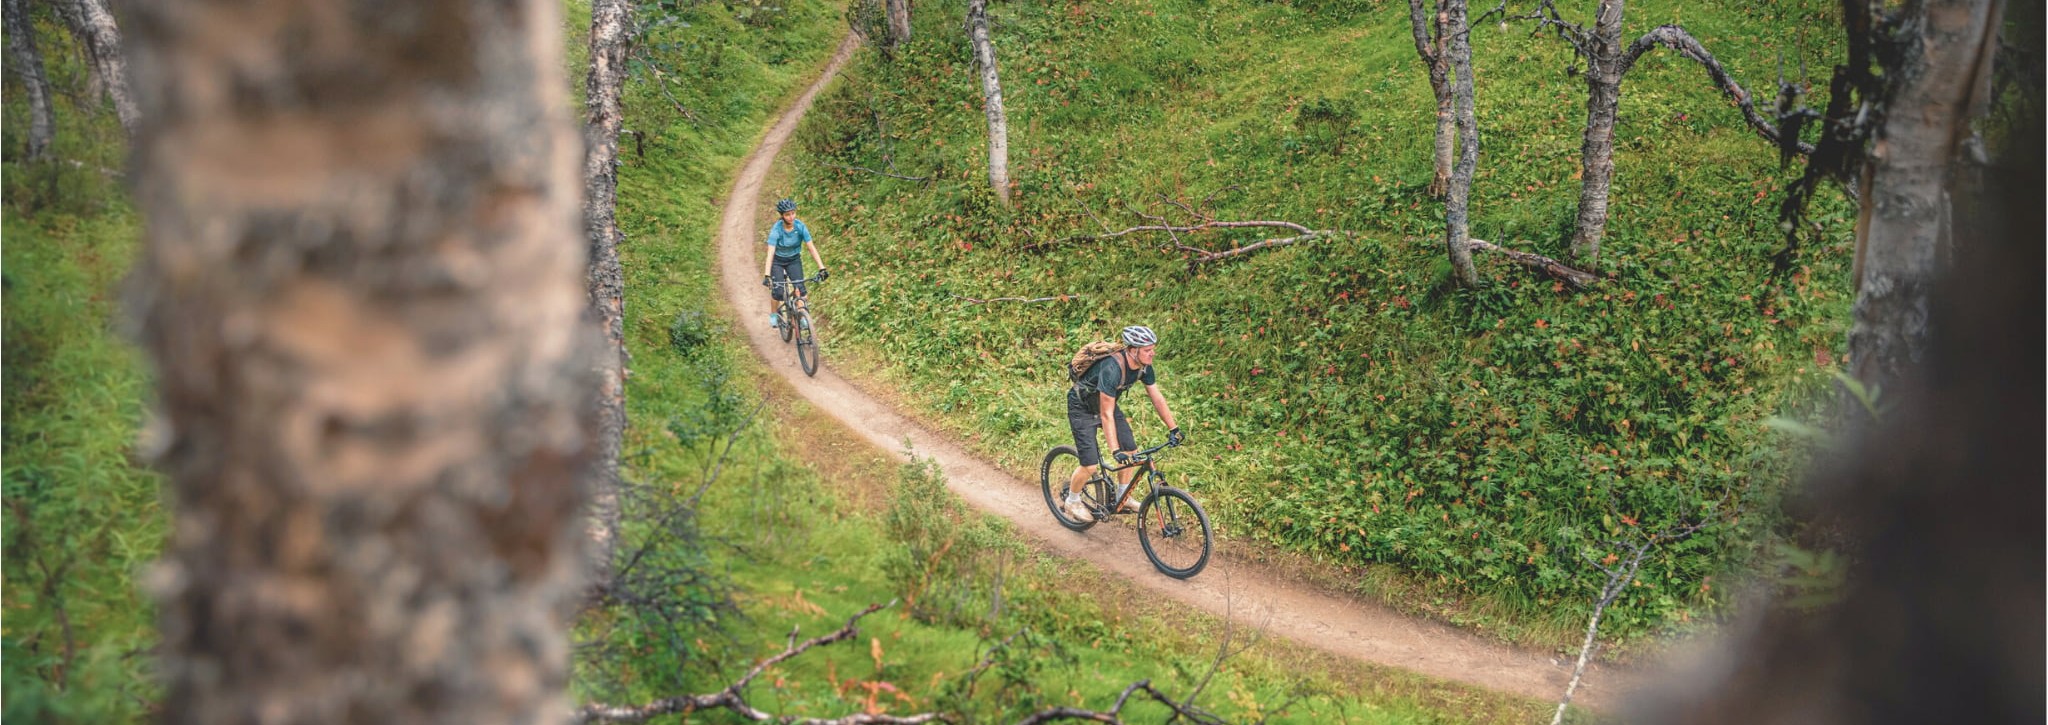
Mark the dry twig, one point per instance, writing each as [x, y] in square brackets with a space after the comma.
[1020, 300]
[731, 698]
[1577, 278]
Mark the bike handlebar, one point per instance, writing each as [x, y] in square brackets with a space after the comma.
[1146, 454]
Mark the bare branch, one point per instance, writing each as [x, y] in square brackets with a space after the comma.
[1578, 279]
[1112, 715]
[1211, 213]
[1675, 38]
[1546, 16]
[661, 80]
[1184, 207]
[1207, 257]
[1164, 226]
[731, 698]
[989, 660]
[1021, 300]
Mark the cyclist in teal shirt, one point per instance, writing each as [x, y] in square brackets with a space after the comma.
[789, 237]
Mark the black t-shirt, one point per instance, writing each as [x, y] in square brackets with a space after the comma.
[1108, 376]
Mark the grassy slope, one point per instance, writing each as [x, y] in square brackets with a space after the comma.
[809, 547]
[81, 519]
[1347, 405]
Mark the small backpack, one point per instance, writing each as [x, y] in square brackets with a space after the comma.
[1090, 354]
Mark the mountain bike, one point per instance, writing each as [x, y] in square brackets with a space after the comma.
[1171, 526]
[793, 315]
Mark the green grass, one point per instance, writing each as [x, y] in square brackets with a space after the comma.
[803, 536]
[83, 519]
[1343, 402]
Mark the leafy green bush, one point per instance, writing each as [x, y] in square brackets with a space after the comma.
[948, 562]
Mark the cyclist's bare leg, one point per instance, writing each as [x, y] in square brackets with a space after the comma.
[1080, 478]
[1124, 477]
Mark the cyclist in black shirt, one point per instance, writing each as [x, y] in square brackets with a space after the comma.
[1092, 404]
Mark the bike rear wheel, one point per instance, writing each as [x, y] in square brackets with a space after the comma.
[806, 343]
[1175, 532]
[782, 325]
[1055, 475]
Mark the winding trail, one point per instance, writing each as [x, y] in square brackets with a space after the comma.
[1336, 623]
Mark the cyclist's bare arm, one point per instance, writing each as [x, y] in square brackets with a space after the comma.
[1159, 404]
[814, 254]
[1107, 405]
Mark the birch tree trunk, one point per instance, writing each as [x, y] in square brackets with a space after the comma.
[1906, 203]
[360, 287]
[1459, 192]
[94, 27]
[610, 21]
[992, 101]
[897, 14]
[28, 63]
[1604, 61]
[1428, 29]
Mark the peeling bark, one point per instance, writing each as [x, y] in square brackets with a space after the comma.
[1459, 193]
[1905, 208]
[604, 113]
[28, 63]
[94, 27]
[1596, 152]
[1428, 28]
[992, 101]
[360, 289]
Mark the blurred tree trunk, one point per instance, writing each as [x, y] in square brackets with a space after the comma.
[1427, 26]
[93, 25]
[1940, 85]
[610, 23]
[992, 101]
[1459, 191]
[898, 17]
[360, 288]
[28, 63]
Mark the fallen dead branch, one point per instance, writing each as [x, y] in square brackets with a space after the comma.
[1019, 300]
[1114, 713]
[732, 697]
[661, 81]
[1578, 279]
[1205, 257]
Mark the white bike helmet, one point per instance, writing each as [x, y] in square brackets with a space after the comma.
[1140, 336]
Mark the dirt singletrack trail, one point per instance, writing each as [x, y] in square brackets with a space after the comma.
[1336, 623]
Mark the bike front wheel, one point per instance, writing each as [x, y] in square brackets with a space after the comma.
[806, 343]
[1055, 475]
[1175, 532]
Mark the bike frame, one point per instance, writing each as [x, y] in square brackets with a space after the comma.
[1149, 474]
[791, 298]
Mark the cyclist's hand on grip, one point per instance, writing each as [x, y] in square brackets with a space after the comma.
[1174, 437]
[823, 273]
[765, 281]
[1123, 458]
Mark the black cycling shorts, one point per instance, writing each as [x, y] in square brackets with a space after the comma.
[786, 268]
[1085, 425]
